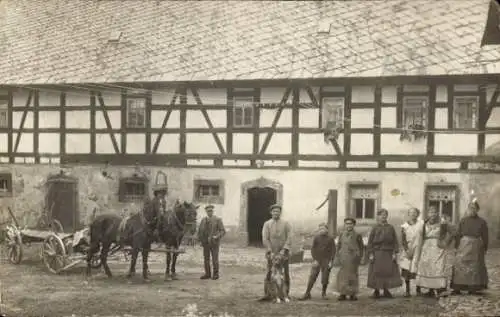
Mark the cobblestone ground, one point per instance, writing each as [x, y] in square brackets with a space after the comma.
[28, 290]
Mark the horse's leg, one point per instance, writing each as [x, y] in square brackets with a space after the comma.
[94, 248]
[133, 261]
[145, 270]
[167, 269]
[174, 261]
[104, 258]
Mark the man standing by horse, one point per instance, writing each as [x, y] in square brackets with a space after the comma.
[210, 232]
[276, 237]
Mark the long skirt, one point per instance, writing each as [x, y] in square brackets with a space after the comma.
[348, 274]
[469, 271]
[383, 272]
[431, 272]
[408, 266]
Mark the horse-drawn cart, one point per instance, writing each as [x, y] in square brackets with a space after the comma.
[60, 251]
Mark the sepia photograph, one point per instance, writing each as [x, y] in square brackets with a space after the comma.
[230, 158]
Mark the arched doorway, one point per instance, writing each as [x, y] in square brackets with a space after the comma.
[259, 201]
[256, 198]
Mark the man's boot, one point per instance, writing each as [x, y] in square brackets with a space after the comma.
[323, 291]
[307, 294]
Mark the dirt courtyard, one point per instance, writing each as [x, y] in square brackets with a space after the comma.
[29, 290]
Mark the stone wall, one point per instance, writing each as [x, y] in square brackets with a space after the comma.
[303, 191]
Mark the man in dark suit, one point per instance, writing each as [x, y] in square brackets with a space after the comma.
[210, 232]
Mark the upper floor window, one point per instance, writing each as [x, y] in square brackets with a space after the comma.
[363, 201]
[243, 112]
[133, 189]
[209, 191]
[465, 111]
[5, 184]
[136, 112]
[332, 112]
[444, 198]
[414, 112]
[3, 115]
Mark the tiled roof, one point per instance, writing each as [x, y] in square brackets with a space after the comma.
[66, 41]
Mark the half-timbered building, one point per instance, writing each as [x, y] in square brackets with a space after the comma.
[362, 104]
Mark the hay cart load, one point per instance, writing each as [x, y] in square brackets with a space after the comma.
[60, 251]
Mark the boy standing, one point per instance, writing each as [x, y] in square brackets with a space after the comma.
[323, 253]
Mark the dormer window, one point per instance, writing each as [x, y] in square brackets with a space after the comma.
[491, 35]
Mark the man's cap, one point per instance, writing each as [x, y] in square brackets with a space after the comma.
[323, 224]
[209, 207]
[275, 206]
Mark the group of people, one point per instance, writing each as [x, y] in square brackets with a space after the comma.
[424, 257]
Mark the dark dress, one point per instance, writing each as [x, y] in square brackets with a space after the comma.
[469, 272]
[383, 271]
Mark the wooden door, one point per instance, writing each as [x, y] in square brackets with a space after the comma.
[62, 198]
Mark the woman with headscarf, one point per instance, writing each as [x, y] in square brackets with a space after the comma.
[382, 250]
[410, 231]
[431, 254]
[469, 272]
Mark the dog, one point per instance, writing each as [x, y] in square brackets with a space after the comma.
[276, 285]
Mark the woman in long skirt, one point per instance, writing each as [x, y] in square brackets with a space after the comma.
[383, 249]
[350, 251]
[410, 232]
[469, 272]
[431, 255]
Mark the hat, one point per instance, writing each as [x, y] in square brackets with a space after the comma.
[475, 203]
[323, 224]
[275, 206]
[209, 207]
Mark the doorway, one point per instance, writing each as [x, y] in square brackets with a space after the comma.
[259, 201]
[62, 201]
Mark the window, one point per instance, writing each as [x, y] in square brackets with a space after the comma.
[332, 112]
[243, 112]
[414, 112]
[444, 198]
[208, 191]
[133, 189]
[5, 184]
[465, 112]
[363, 201]
[3, 115]
[136, 113]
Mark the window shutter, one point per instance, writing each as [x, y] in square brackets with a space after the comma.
[122, 190]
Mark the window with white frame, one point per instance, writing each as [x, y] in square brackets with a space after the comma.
[136, 112]
[243, 112]
[332, 112]
[415, 111]
[465, 111]
[444, 198]
[3, 115]
[363, 200]
[208, 191]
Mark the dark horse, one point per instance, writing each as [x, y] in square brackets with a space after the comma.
[172, 225]
[137, 231]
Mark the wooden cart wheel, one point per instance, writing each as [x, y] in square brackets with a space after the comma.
[56, 226]
[54, 253]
